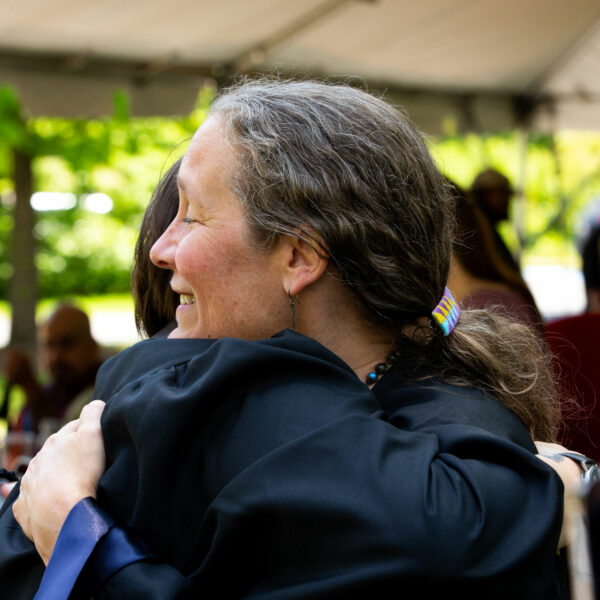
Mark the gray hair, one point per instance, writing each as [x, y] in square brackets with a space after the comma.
[352, 175]
[349, 173]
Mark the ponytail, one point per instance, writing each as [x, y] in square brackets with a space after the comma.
[493, 353]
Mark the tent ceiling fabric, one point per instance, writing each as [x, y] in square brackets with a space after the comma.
[477, 63]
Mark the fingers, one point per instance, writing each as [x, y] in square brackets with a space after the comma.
[16, 508]
[89, 420]
[70, 427]
[92, 412]
[20, 517]
[64, 471]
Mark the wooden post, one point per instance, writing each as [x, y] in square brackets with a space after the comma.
[23, 288]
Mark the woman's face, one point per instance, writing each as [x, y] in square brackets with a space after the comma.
[227, 286]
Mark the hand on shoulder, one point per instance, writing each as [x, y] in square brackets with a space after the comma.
[65, 471]
[570, 473]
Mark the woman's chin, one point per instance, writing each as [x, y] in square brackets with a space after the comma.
[186, 318]
[181, 333]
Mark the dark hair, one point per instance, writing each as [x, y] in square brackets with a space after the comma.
[490, 179]
[591, 259]
[349, 173]
[155, 302]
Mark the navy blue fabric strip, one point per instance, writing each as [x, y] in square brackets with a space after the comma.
[80, 533]
[88, 539]
[117, 549]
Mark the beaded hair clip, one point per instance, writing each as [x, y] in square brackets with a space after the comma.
[446, 313]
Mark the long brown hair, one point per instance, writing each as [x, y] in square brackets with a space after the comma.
[154, 301]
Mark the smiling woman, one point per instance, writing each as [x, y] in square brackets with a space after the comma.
[210, 250]
[241, 446]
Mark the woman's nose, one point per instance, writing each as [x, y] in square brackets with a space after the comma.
[162, 253]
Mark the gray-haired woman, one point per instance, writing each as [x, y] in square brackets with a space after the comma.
[255, 461]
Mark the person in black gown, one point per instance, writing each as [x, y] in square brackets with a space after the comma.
[248, 455]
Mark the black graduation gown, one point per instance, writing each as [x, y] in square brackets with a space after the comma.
[267, 470]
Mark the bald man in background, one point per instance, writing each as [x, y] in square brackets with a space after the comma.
[72, 358]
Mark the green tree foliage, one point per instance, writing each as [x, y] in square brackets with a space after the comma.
[562, 178]
[81, 252]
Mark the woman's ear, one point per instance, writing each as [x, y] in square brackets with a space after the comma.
[303, 264]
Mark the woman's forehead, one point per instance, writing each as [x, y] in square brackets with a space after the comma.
[208, 155]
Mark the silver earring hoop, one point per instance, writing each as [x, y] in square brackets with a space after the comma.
[293, 308]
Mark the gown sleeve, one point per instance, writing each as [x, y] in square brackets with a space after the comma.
[21, 568]
[479, 517]
[89, 549]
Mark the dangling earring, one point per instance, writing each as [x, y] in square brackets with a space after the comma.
[293, 308]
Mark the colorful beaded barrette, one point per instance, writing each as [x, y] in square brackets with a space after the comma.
[446, 313]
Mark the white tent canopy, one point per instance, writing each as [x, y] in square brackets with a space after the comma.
[484, 64]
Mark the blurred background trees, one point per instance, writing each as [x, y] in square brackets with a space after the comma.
[561, 181]
[104, 171]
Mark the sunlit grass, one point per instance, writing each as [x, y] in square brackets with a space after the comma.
[111, 316]
[89, 304]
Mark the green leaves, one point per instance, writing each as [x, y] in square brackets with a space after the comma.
[13, 133]
[121, 108]
[80, 252]
[562, 176]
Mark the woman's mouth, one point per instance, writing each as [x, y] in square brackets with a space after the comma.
[187, 299]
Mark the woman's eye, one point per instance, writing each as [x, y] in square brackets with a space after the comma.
[187, 220]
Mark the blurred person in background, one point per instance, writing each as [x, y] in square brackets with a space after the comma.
[574, 342]
[492, 192]
[72, 358]
[591, 270]
[480, 274]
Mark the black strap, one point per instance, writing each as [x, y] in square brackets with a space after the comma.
[8, 475]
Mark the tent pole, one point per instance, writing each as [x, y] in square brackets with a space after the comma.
[519, 203]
